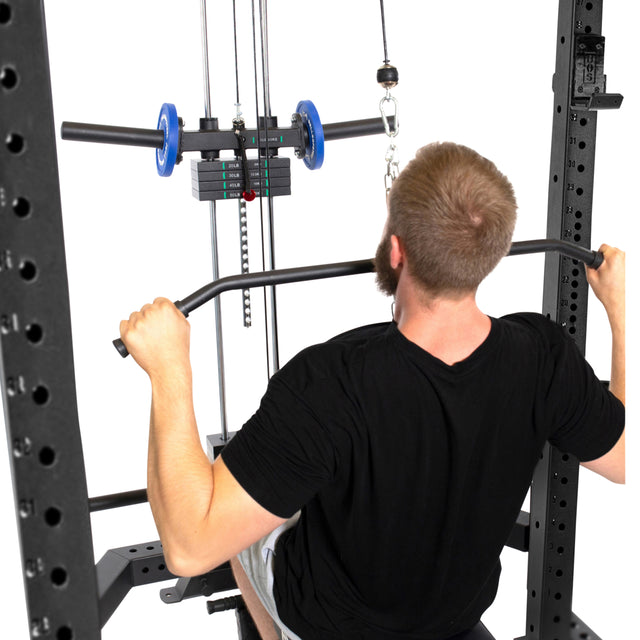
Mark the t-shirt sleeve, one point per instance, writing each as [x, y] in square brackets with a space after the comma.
[587, 419]
[284, 454]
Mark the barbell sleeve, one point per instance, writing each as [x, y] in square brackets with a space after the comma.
[591, 258]
[355, 128]
[106, 134]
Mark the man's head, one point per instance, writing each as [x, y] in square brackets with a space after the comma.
[453, 213]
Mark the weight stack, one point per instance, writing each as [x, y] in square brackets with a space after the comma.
[224, 179]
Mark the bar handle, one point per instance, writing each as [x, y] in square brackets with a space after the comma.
[591, 258]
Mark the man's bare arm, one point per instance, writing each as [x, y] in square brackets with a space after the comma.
[608, 284]
[203, 516]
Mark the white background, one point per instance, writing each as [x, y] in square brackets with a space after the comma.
[475, 73]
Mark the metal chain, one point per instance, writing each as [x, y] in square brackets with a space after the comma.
[389, 109]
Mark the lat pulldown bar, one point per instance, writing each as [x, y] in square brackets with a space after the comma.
[300, 274]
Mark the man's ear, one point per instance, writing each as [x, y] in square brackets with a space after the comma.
[396, 257]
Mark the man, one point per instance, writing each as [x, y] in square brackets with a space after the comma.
[406, 447]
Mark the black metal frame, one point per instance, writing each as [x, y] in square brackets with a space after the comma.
[35, 342]
[579, 89]
[67, 595]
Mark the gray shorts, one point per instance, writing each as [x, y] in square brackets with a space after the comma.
[257, 562]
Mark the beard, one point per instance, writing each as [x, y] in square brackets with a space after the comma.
[386, 277]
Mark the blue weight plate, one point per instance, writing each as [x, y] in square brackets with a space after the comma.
[314, 152]
[168, 123]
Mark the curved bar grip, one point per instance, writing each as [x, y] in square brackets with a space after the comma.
[262, 279]
[592, 259]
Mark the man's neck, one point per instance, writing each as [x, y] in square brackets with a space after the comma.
[449, 328]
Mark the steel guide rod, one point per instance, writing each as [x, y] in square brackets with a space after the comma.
[222, 395]
[268, 229]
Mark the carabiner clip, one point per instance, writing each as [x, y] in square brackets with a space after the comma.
[391, 132]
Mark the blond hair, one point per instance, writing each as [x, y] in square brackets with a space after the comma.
[455, 213]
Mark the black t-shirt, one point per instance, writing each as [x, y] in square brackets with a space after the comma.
[410, 473]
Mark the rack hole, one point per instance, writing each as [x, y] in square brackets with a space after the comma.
[555, 178]
[5, 13]
[583, 122]
[587, 29]
[34, 333]
[588, 6]
[582, 144]
[145, 569]
[559, 573]
[47, 456]
[133, 550]
[64, 633]
[21, 207]
[8, 78]
[580, 168]
[53, 516]
[15, 143]
[577, 237]
[161, 567]
[559, 109]
[579, 191]
[59, 576]
[577, 226]
[560, 551]
[558, 596]
[28, 270]
[40, 395]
